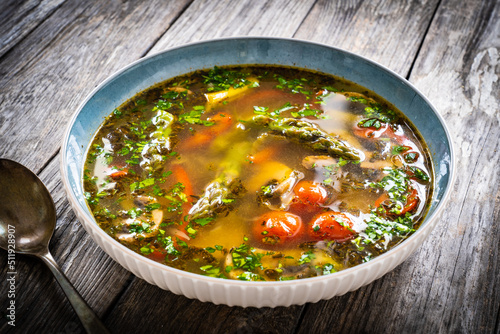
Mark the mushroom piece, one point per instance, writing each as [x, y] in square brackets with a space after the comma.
[153, 220]
[314, 161]
[278, 195]
[178, 90]
[327, 167]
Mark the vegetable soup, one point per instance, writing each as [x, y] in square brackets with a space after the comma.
[258, 173]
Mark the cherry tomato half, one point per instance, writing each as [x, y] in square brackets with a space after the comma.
[309, 192]
[331, 225]
[277, 227]
[309, 197]
[385, 131]
[411, 202]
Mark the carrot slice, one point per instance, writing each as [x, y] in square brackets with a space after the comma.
[205, 135]
[118, 174]
[180, 174]
[263, 155]
[381, 199]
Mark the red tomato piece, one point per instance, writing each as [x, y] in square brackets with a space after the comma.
[309, 192]
[411, 202]
[331, 225]
[156, 256]
[277, 228]
[385, 131]
[309, 198]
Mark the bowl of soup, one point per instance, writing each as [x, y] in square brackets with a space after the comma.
[257, 171]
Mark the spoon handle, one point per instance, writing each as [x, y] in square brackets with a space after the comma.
[89, 319]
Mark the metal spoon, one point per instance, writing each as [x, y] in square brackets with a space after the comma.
[28, 216]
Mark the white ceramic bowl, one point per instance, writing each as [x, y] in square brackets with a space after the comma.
[253, 50]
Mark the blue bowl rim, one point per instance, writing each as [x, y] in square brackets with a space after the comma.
[424, 226]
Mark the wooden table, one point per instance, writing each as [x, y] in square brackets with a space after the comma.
[54, 52]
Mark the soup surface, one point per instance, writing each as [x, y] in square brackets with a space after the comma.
[258, 173]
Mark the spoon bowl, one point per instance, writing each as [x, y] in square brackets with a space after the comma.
[28, 216]
[25, 205]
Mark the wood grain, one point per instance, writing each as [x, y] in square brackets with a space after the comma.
[451, 284]
[62, 60]
[53, 52]
[46, 76]
[19, 18]
[206, 19]
[467, 94]
[251, 320]
[177, 314]
[388, 32]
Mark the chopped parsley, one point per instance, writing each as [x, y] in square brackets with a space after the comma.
[194, 117]
[397, 184]
[142, 184]
[265, 110]
[141, 227]
[308, 112]
[370, 123]
[295, 85]
[379, 228]
[306, 257]
[146, 250]
[417, 173]
[399, 149]
[250, 276]
[411, 157]
[152, 206]
[167, 243]
[212, 271]
[326, 269]
[218, 79]
[244, 257]
[203, 221]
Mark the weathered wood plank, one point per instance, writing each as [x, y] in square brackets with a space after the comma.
[205, 20]
[47, 74]
[43, 78]
[464, 85]
[19, 18]
[197, 22]
[391, 35]
[177, 314]
[451, 285]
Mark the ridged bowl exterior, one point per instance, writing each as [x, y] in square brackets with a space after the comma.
[254, 50]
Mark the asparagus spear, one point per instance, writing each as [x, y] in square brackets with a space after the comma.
[309, 135]
[160, 142]
[221, 192]
[163, 122]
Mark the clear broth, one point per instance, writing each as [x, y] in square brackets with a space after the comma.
[240, 140]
